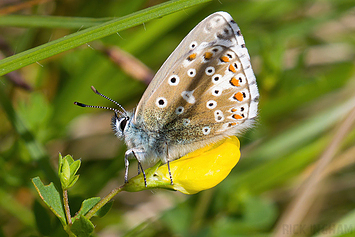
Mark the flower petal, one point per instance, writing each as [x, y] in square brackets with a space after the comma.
[203, 168]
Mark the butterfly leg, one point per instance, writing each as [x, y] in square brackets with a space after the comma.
[168, 163]
[140, 168]
[126, 164]
[171, 177]
[135, 153]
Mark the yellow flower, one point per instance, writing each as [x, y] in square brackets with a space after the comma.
[194, 172]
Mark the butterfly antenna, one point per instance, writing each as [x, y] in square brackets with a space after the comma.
[97, 107]
[108, 98]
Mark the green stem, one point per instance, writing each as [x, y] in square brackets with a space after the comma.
[81, 37]
[66, 206]
[103, 201]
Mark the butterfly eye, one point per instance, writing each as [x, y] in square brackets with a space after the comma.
[123, 123]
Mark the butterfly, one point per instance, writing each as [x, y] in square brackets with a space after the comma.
[205, 91]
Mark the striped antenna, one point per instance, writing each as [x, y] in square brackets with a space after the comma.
[108, 98]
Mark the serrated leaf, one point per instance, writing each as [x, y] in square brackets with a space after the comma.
[51, 198]
[86, 206]
[82, 227]
[103, 210]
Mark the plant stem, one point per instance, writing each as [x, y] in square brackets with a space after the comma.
[103, 201]
[66, 206]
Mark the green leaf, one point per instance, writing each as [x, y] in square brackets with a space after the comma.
[73, 181]
[67, 170]
[86, 206]
[69, 159]
[65, 174]
[103, 210]
[51, 198]
[60, 163]
[74, 166]
[82, 227]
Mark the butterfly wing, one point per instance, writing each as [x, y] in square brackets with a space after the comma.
[185, 48]
[205, 90]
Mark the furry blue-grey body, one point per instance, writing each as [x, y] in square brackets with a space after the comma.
[165, 143]
[146, 144]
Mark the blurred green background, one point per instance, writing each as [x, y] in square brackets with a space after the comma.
[302, 53]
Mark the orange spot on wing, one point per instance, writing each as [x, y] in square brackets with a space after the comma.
[192, 57]
[234, 110]
[232, 124]
[208, 55]
[238, 96]
[234, 82]
[232, 68]
[224, 59]
[237, 116]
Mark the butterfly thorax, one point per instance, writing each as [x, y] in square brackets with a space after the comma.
[149, 145]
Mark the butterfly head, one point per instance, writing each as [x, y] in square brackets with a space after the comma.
[120, 123]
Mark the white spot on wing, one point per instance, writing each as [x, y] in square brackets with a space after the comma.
[187, 95]
[218, 115]
[179, 110]
[241, 78]
[174, 80]
[161, 102]
[193, 45]
[186, 121]
[211, 104]
[216, 91]
[206, 130]
[209, 71]
[191, 72]
[216, 78]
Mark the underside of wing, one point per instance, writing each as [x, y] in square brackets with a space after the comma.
[205, 89]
